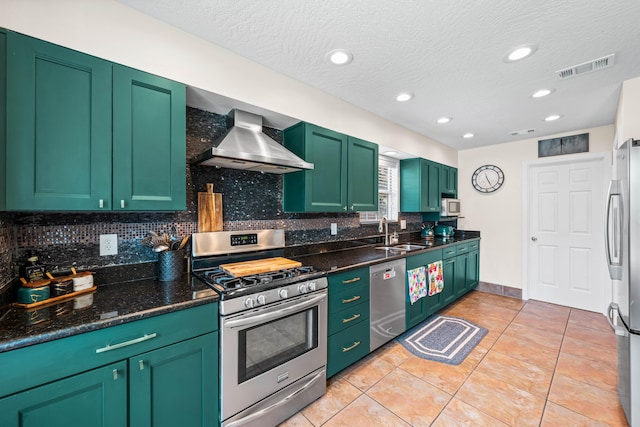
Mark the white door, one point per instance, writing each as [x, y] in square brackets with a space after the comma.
[566, 261]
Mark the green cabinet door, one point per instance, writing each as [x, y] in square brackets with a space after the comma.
[3, 115]
[97, 398]
[449, 275]
[58, 151]
[419, 186]
[362, 175]
[473, 270]
[149, 142]
[420, 309]
[449, 181]
[176, 385]
[460, 281]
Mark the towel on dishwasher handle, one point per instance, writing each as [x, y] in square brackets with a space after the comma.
[436, 282]
[417, 278]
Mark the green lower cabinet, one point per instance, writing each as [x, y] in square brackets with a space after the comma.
[175, 385]
[347, 347]
[460, 281]
[97, 398]
[448, 294]
[420, 309]
[473, 270]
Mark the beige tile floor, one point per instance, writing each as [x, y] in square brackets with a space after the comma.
[539, 365]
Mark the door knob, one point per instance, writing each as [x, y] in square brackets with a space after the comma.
[534, 239]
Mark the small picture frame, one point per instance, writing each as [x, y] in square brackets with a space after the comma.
[565, 145]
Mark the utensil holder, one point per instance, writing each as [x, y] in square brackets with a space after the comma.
[170, 265]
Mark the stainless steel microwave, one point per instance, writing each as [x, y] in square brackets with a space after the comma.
[450, 207]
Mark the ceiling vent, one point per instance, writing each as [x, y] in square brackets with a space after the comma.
[587, 67]
[522, 132]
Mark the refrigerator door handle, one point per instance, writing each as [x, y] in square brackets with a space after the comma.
[612, 311]
[613, 230]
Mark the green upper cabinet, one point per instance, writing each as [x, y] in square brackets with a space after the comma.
[345, 174]
[420, 185]
[449, 181]
[86, 134]
[58, 146]
[149, 150]
[362, 175]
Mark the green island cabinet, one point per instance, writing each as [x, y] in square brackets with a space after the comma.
[449, 181]
[345, 174]
[348, 324]
[419, 310]
[160, 371]
[83, 133]
[420, 189]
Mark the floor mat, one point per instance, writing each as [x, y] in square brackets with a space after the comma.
[443, 339]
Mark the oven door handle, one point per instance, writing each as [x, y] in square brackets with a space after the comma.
[252, 319]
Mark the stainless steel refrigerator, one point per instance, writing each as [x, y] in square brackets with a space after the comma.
[623, 257]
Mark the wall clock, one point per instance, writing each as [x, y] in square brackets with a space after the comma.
[487, 178]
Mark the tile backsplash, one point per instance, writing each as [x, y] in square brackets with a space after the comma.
[251, 200]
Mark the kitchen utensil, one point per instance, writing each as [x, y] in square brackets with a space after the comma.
[209, 210]
[161, 247]
[184, 242]
[246, 268]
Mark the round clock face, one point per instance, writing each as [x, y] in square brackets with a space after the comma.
[487, 178]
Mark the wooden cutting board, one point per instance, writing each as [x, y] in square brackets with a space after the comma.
[209, 210]
[247, 268]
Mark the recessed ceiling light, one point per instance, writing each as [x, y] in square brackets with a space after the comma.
[468, 135]
[443, 120]
[404, 96]
[520, 52]
[390, 152]
[339, 56]
[540, 93]
[552, 118]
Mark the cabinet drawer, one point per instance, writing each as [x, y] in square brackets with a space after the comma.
[342, 299]
[349, 317]
[474, 245]
[347, 347]
[449, 251]
[462, 248]
[423, 259]
[349, 279]
[67, 356]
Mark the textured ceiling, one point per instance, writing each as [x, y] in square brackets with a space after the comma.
[448, 53]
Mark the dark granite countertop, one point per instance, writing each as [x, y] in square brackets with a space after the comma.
[347, 258]
[110, 305]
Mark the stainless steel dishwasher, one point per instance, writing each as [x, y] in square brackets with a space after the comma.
[387, 301]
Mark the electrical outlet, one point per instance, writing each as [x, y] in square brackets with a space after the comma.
[403, 224]
[334, 228]
[108, 244]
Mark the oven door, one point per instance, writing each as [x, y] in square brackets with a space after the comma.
[266, 349]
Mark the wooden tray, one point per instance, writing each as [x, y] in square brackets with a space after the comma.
[54, 300]
[247, 268]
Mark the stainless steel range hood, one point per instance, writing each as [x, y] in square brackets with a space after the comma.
[245, 146]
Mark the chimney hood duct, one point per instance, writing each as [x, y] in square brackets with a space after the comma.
[245, 146]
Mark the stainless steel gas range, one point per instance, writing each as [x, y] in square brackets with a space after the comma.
[273, 328]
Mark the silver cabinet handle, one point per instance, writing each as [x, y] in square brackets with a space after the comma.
[355, 344]
[141, 364]
[122, 204]
[115, 374]
[346, 282]
[101, 203]
[352, 299]
[344, 208]
[352, 318]
[353, 207]
[534, 239]
[106, 348]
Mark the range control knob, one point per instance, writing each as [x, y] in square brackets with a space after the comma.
[312, 286]
[262, 300]
[283, 293]
[303, 288]
[249, 303]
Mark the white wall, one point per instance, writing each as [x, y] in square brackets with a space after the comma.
[628, 117]
[499, 215]
[110, 30]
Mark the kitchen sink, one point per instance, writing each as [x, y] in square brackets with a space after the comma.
[407, 247]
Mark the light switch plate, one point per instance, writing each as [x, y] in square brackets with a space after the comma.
[108, 244]
[403, 224]
[334, 228]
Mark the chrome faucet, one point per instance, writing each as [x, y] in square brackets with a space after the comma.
[386, 229]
